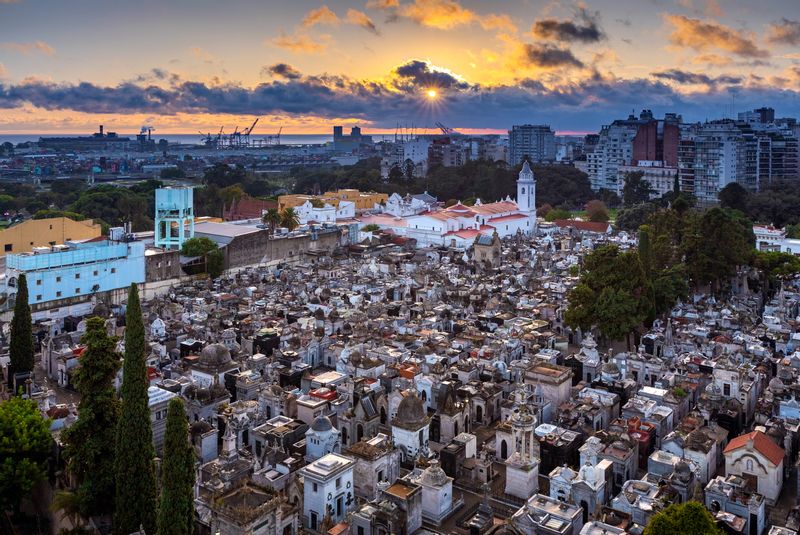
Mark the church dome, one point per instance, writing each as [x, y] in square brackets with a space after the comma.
[321, 424]
[411, 412]
[215, 355]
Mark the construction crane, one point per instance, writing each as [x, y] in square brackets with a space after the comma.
[249, 131]
[276, 139]
[446, 130]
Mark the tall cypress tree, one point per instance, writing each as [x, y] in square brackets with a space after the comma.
[21, 347]
[90, 441]
[135, 504]
[176, 511]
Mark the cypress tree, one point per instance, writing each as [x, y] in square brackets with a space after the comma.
[135, 504]
[21, 347]
[176, 510]
[90, 441]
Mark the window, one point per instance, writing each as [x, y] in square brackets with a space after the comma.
[39, 297]
[58, 279]
[315, 487]
[38, 282]
[95, 273]
[726, 389]
[58, 294]
[338, 482]
[77, 275]
[77, 290]
[9, 246]
[113, 270]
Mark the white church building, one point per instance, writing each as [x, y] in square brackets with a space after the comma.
[459, 225]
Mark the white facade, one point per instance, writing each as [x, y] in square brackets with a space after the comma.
[755, 456]
[328, 213]
[614, 149]
[327, 490]
[774, 239]
[459, 225]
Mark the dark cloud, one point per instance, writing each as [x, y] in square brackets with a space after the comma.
[583, 104]
[549, 57]
[584, 28]
[282, 70]
[420, 73]
[686, 77]
[784, 32]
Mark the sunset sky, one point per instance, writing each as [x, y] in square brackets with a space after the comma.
[188, 65]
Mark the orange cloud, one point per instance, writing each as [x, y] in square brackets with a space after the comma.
[321, 15]
[785, 32]
[383, 4]
[2, 70]
[359, 18]
[712, 59]
[441, 14]
[498, 22]
[701, 36]
[300, 43]
[29, 48]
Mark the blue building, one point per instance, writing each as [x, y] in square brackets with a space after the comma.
[75, 271]
[174, 217]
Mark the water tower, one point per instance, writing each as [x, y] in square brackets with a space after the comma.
[174, 217]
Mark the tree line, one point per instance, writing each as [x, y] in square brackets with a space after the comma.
[680, 250]
[109, 449]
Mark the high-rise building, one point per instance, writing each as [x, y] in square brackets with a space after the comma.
[657, 141]
[614, 149]
[754, 151]
[534, 142]
[713, 157]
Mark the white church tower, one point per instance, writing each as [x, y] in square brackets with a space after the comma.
[526, 193]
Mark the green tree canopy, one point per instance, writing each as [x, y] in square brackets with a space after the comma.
[635, 189]
[557, 213]
[690, 518]
[135, 502]
[208, 249]
[90, 441]
[717, 242]
[176, 511]
[631, 218]
[289, 219]
[21, 350]
[733, 196]
[613, 294]
[25, 445]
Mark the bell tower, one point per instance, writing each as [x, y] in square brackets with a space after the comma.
[526, 189]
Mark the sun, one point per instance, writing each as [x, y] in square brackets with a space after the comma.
[432, 93]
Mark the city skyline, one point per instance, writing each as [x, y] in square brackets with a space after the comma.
[476, 66]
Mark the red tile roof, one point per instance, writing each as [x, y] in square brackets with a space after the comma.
[507, 218]
[500, 207]
[761, 443]
[589, 226]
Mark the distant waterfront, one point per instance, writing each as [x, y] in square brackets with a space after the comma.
[286, 139]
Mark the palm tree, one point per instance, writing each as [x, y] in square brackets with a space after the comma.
[289, 219]
[272, 217]
[69, 503]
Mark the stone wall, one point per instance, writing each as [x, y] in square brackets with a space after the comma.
[258, 248]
